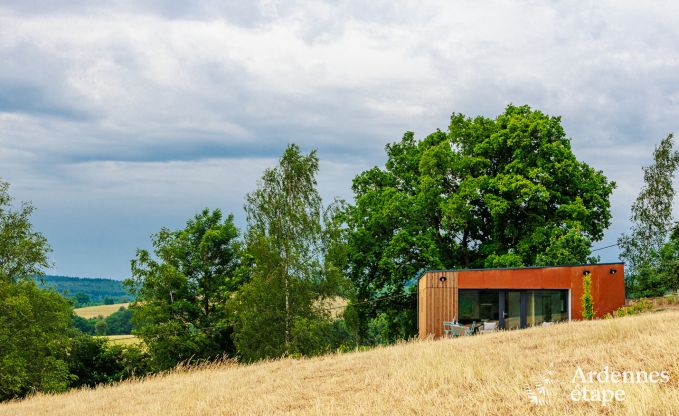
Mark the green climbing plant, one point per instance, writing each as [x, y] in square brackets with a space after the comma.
[587, 302]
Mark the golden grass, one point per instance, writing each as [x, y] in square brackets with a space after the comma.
[99, 310]
[123, 339]
[483, 375]
[335, 306]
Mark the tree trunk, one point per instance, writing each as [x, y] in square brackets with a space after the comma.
[287, 310]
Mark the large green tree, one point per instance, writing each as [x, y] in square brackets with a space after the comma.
[651, 224]
[280, 311]
[667, 277]
[23, 251]
[182, 290]
[35, 329]
[35, 324]
[488, 192]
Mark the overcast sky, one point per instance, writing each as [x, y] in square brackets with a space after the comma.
[117, 120]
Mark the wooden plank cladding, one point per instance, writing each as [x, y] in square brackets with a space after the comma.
[437, 301]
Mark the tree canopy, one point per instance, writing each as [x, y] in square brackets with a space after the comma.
[290, 249]
[488, 192]
[35, 324]
[647, 262]
[23, 251]
[182, 289]
[35, 330]
[667, 276]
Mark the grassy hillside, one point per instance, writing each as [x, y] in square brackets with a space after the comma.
[99, 310]
[123, 339]
[486, 374]
[97, 289]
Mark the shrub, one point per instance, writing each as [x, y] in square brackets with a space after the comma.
[101, 327]
[120, 322]
[639, 306]
[93, 361]
[84, 325]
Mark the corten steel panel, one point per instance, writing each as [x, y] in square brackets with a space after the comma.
[608, 290]
[438, 304]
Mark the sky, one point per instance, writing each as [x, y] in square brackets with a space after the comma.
[118, 118]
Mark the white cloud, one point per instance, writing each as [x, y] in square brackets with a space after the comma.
[139, 105]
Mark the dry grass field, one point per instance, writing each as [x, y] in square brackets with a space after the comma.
[481, 375]
[99, 310]
[123, 339]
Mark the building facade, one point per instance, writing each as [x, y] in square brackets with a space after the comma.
[515, 297]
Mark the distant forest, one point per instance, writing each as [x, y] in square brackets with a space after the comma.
[98, 291]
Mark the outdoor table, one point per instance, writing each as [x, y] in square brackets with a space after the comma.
[475, 327]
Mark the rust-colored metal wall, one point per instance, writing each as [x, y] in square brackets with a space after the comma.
[436, 304]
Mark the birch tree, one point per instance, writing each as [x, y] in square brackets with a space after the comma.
[278, 312]
[651, 218]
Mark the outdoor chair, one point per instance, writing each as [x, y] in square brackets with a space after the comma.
[448, 328]
[454, 329]
[489, 327]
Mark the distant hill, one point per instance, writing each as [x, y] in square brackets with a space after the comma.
[98, 290]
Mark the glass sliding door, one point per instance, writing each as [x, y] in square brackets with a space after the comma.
[478, 305]
[512, 308]
[547, 306]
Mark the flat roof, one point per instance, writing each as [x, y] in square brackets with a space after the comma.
[517, 268]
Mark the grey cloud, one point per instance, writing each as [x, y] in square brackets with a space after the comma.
[246, 13]
[142, 112]
[31, 99]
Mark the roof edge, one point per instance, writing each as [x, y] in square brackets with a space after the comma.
[517, 268]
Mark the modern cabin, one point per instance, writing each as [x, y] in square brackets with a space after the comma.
[514, 297]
